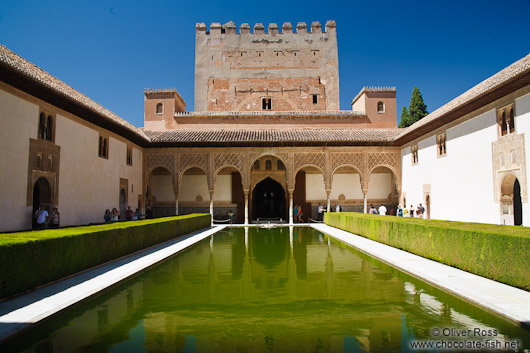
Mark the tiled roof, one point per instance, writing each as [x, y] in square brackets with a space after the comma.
[270, 137]
[516, 69]
[36, 74]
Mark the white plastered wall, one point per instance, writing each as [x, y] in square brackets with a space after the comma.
[461, 183]
[315, 188]
[379, 186]
[89, 184]
[19, 123]
[223, 188]
[193, 185]
[347, 184]
[162, 188]
[522, 125]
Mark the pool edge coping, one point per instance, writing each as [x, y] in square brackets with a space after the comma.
[35, 306]
[506, 301]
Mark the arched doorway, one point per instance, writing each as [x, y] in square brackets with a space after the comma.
[42, 195]
[123, 203]
[268, 200]
[517, 204]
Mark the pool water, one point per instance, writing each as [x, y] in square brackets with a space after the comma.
[285, 289]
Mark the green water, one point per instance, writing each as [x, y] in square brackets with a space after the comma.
[278, 290]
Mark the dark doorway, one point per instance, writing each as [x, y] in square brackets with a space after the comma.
[517, 204]
[42, 195]
[268, 200]
[123, 204]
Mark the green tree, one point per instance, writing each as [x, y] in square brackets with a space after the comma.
[417, 108]
[405, 118]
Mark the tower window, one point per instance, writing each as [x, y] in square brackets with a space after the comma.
[159, 108]
[380, 107]
[266, 103]
[315, 98]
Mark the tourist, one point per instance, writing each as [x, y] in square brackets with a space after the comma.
[337, 208]
[295, 214]
[382, 210]
[135, 215]
[421, 209]
[300, 214]
[418, 211]
[139, 214]
[115, 215]
[411, 211]
[41, 215]
[54, 220]
[372, 210]
[108, 216]
[149, 213]
[129, 214]
[400, 211]
[231, 217]
[320, 212]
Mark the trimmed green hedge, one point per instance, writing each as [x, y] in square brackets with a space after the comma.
[30, 259]
[501, 253]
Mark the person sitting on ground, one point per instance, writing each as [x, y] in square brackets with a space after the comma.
[54, 218]
[382, 210]
[129, 214]
[41, 215]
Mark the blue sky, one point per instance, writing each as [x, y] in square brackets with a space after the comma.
[112, 50]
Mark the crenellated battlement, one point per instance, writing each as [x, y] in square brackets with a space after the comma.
[230, 28]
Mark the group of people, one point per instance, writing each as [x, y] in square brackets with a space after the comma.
[297, 214]
[401, 212]
[404, 212]
[130, 215]
[45, 220]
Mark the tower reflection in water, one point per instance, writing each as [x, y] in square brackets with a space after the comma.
[262, 290]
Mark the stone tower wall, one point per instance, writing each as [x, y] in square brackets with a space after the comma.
[234, 70]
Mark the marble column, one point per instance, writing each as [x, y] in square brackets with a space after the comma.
[291, 206]
[246, 206]
[211, 204]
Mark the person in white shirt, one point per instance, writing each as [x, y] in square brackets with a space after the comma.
[41, 215]
[337, 209]
[382, 210]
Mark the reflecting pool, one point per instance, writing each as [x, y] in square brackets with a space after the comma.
[269, 290]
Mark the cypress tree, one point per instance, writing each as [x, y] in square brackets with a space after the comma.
[417, 108]
[405, 118]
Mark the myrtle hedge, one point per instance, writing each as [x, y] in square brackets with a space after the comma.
[501, 253]
[30, 259]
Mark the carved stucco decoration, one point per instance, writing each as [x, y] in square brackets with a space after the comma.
[155, 160]
[339, 159]
[44, 161]
[508, 154]
[199, 160]
[222, 160]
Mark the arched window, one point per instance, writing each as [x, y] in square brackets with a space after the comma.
[504, 129]
[268, 164]
[48, 135]
[42, 125]
[279, 165]
[257, 165]
[511, 122]
[380, 107]
[159, 108]
[103, 150]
